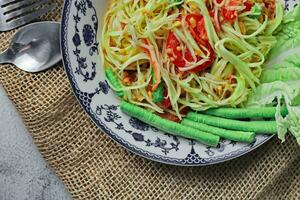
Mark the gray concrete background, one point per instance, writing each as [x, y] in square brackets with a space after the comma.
[24, 174]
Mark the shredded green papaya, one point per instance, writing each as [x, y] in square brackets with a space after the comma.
[173, 54]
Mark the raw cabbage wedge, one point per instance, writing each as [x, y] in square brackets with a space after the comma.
[280, 81]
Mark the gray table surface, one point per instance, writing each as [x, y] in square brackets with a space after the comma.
[24, 174]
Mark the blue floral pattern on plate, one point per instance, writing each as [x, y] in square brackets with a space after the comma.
[79, 31]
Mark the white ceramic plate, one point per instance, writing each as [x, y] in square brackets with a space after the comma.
[81, 24]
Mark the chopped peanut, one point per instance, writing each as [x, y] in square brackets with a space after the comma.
[219, 90]
[177, 24]
[198, 53]
[150, 94]
[144, 11]
[126, 80]
[137, 96]
[122, 51]
[261, 19]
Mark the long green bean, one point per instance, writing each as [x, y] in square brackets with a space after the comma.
[242, 113]
[169, 126]
[239, 136]
[114, 81]
[251, 126]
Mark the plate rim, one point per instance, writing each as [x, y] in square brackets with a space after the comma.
[150, 156]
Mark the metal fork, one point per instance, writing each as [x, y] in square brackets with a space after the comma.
[14, 13]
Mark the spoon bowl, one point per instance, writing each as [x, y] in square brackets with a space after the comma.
[35, 47]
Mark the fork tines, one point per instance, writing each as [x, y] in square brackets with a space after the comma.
[14, 13]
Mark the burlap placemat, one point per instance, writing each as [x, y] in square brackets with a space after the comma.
[92, 166]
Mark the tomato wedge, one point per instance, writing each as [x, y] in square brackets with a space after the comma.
[197, 29]
[208, 63]
[172, 117]
[197, 25]
[166, 103]
[248, 6]
[175, 53]
[229, 15]
[169, 117]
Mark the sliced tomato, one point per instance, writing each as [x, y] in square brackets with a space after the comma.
[208, 63]
[169, 116]
[184, 111]
[166, 103]
[197, 28]
[172, 44]
[229, 15]
[172, 117]
[197, 25]
[248, 6]
[177, 56]
[235, 3]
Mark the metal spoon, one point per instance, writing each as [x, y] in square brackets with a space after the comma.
[35, 47]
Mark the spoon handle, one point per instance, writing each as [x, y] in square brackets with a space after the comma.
[5, 56]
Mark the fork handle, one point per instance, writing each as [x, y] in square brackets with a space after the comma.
[6, 56]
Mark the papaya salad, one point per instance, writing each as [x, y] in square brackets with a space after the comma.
[189, 67]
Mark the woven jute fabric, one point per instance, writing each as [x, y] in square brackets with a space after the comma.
[92, 166]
